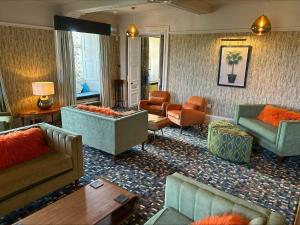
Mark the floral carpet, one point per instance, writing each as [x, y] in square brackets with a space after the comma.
[263, 181]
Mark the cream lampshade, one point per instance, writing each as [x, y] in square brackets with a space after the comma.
[43, 89]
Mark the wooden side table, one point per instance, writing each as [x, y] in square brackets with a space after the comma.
[33, 114]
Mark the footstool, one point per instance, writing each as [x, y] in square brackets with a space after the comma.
[229, 142]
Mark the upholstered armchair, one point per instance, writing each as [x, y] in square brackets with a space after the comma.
[190, 113]
[157, 102]
[5, 121]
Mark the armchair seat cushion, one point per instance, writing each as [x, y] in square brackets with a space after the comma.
[24, 175]
[266, 131]
[157, 109]
[169, 216]
[174, 113]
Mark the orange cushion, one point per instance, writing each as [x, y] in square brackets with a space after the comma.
[273, 115]
[189, 106]
[157, 100]
[99, 110]
[227, 219]
[20, 146]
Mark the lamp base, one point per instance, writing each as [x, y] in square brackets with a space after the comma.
[44, 102]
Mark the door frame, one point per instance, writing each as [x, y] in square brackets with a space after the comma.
[160, 30]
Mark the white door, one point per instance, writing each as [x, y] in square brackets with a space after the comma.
[134, 71]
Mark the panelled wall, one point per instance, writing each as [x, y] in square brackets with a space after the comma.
[28, 55]
[273, 74]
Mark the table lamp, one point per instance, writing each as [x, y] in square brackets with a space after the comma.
[43, 89]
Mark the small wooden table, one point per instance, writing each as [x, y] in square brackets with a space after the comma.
[33, 114]
[86, 206]
[156, 123]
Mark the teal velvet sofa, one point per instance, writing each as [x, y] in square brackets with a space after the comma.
[283, 141]
[187, 200]
[5, 121]
[111, 135]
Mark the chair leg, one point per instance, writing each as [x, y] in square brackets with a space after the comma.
[181, 130]
[143, 146]
[280, 159]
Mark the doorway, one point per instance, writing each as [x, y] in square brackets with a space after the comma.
[151, 64]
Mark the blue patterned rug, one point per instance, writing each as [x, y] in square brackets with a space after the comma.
[263, 182]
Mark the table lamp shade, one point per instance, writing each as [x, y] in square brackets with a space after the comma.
[43, 88]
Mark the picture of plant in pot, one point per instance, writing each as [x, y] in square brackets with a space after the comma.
[233, 58]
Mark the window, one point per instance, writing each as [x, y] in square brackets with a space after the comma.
[87, 64]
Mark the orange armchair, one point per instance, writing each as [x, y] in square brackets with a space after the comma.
[157, 102]
[190, 113]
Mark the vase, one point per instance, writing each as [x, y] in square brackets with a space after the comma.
[231, 78]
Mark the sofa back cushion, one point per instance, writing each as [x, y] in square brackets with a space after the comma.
[274, 115]
[162, 94]
[21, 146]
[100, 110]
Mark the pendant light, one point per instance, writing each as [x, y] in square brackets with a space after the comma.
[132, 30]
[262, 24]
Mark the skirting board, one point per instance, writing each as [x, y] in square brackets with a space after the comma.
[210, 118]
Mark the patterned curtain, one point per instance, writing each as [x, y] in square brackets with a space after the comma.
[106, 84]
[4, 106]
[65, 68]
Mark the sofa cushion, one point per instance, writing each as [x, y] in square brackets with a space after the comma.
[24, 175]
[13, 151]
[225, 219]
[266, 131]
[169, 216]
[174, 113]
[100, 110]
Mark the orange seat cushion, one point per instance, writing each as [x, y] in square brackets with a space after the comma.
[227, 219]
[99, 110]
[174, 113]
[274, 115]
[21, 146]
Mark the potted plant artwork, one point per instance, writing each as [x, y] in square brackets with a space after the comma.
[233, 58]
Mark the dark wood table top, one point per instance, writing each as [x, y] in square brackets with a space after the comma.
[84, 206]
[38, 111]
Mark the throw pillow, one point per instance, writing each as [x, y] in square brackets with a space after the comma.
[85, 88]
[274, 115]
[226, 219]
[99, 110]
[21, 146]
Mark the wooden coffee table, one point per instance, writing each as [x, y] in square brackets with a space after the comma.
[156, 123]
[86, 206]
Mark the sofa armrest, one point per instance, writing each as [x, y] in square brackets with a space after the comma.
[164, 106]
[66, 142]
[143, 103]
[173, 107]
[249, 111]
[275, 219]
[288, 138]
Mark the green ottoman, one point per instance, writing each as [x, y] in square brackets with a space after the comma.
[229, 142]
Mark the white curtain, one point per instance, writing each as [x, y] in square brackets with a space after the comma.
[106, 85]
[4, 106]
[65, 68]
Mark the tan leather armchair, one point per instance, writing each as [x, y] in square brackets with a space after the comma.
[190, 113]
[157, 102]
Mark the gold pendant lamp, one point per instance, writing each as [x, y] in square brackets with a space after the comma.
[132, 30]
[261, 25]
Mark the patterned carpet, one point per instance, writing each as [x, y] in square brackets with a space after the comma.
[263, 182]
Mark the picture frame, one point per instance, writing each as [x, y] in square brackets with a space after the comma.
[233, 65]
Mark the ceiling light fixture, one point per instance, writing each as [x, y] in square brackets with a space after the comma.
[262, 24]
[132, 30]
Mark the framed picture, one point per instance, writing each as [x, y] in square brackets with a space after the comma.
[233, 65]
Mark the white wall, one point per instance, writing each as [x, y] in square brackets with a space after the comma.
[29, 13]
[232, 17]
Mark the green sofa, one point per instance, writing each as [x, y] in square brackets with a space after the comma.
[28, 181]
[5, 121]
[283, 141]
[111, 135]
[187, 200]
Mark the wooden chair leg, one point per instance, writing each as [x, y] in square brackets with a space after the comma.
[280, 159]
